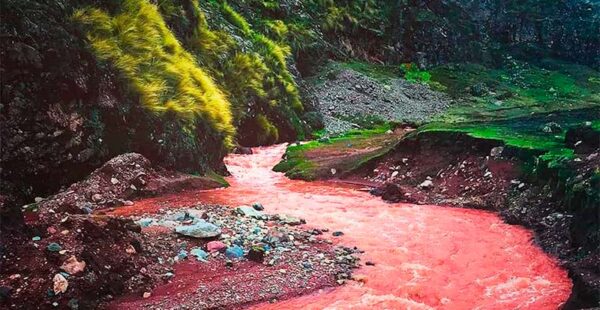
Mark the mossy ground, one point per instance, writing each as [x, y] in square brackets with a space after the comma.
[345, 153]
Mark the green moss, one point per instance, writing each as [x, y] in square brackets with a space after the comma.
[413, 74]
[315, 159]
[159, 70]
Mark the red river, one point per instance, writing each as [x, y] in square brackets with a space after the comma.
[427, 257]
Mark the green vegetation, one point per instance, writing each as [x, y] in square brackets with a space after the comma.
[413, 74]
[344, 153]
[164, 75]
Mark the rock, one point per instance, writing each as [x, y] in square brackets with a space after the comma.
[146, 295]
[478, 90]
[234, 252]
[391, 192]
[128, 202]
[60, 284]
[369, 263]
[130, 249]
[360, 278]
[36, 238]
[258, 206]
[552, 127]
[395, 174]
[496, 151]
[333, 171]
[183, 254]
[290, 220]
[145, 222]
[337, 233]
[201, 229]
[96, 198]
[216, 246]
[114, 181]
[427, 184]
[38, 199]
[200, 254]
[249, 211]
[256, 254]
[73, 266]
[54, 247]
[242, 150]
[488, 174]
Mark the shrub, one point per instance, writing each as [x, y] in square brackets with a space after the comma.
[164, 75]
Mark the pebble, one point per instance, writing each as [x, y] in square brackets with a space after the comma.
[60, 284]
[216, 246]
[54, 247]
[73, 266]
[36, 238]
[200, 254]
[258, 206]
[337, 233]
[146, 295]
[234, 252]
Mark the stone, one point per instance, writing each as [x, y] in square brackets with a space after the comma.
[552, 127]
[183, 254]
[256, 254]
[249, 211]
[200, 254]
[96, 197]
[114, 181]
[234, 252]
[337, 233]
[369, 263]
[73, 266]
[146, 295]
[130, 249]
[200, 229]
[216, 246]
[258, 206]
[54, 247]
[426, 184]
[38, 199]
[360, 278]
[60, 284]
[36, 238]
[290, 220]
[145, 222]
[496, 151]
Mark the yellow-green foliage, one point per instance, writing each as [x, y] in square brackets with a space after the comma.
[246, 73]
[277, 28]
[236, 19]
[274, 55]
[211, 45]
[268, 132]
[165, 76]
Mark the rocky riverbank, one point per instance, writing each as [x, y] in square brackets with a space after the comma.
[458, 171]
[70, 250]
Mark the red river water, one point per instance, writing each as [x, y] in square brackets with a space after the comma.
[427, 257]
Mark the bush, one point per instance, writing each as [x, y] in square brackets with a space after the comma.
[164, 75]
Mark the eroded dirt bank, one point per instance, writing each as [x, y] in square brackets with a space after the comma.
[455, 170]
[416, 256]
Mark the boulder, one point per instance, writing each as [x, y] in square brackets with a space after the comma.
[200, 229]
[249, 211]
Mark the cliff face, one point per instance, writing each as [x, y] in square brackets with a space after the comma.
[180, 81]
[440, 31]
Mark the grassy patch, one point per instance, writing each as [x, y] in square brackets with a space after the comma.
[344, 153]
